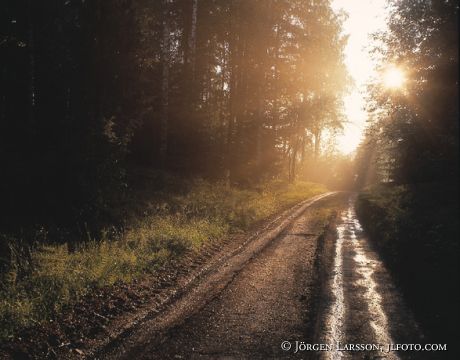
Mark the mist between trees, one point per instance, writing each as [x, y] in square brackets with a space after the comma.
[92, 92]
[101, 101]
[240, 91]
[111, 109]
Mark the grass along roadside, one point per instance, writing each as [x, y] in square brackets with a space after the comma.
[52, 278]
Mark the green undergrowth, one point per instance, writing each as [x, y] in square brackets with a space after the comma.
[41, 282]
[416, 229]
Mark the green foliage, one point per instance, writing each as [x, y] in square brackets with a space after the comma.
[413, 137]
[413, 142]
[416, 229]
[383, 207]
[37, 287]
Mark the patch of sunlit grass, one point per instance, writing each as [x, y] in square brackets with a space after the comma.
[52, 277]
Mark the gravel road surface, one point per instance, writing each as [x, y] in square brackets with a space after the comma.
[298, 284]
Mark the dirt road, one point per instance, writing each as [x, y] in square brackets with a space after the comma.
[283, 291]
[364, 307]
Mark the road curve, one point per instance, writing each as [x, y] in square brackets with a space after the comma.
[243, 306]
[285, 287]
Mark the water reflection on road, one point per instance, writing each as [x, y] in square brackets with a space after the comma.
[353, 281]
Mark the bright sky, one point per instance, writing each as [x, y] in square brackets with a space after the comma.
[364, 18]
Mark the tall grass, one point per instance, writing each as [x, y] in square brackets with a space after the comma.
[41, 282]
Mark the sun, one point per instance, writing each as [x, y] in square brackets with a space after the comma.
[394, 78]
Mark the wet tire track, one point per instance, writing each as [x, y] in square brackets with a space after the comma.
[245, 307]
[365, 306]
[294, 286]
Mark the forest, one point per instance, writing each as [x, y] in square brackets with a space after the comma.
[231, 90]
[132, 131]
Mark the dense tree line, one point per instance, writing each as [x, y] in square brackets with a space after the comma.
[235, 90]
[413, 133]
[411, 150]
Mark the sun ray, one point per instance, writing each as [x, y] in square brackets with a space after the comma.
[364, 18]
[394, 78]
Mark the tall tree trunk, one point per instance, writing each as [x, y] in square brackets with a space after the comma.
[192, 38]
[234, 69]
[3, 95]
[302, 148]
[294, 163]
[259, 127]
[242, 80]
[293, 157]
[276, 114]
[222, 106]
[31, 53]
[317, 139]
[262, 53]
[164, 86]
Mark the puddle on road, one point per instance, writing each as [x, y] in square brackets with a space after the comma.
[349, 233]
[336, 316]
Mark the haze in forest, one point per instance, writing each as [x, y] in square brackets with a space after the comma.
[134, 133]
[363, 19]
